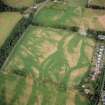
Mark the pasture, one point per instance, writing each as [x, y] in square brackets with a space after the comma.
[63, 15]
[8, 20]
[80, 3]
[19, 3]
[97, 3]
[46, 66]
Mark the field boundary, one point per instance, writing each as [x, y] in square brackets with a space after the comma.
[14, 36]
[90, 32]
[4, 8]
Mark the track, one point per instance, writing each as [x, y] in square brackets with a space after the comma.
[40, 6]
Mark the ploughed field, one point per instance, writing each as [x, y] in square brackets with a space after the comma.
[8, 21]
[46, 67]
[67, 16]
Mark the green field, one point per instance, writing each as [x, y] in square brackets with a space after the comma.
[19, 3]
[58, 15]
[97, 2]
[63, 15]
[80, 3]
[8, 20]
[46, 66]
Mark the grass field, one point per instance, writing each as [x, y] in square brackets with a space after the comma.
[19, 3]
[63, 15]
[81, 3]
[58, 15]
[46, 66]
[97, 2]
[8, 20]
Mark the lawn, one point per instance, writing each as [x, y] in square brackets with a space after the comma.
[63, 15]
[48, 64]
[19, 3]
[8, 20]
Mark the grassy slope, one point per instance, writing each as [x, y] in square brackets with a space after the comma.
[7, 22]
[55, 62]
[19, 3]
